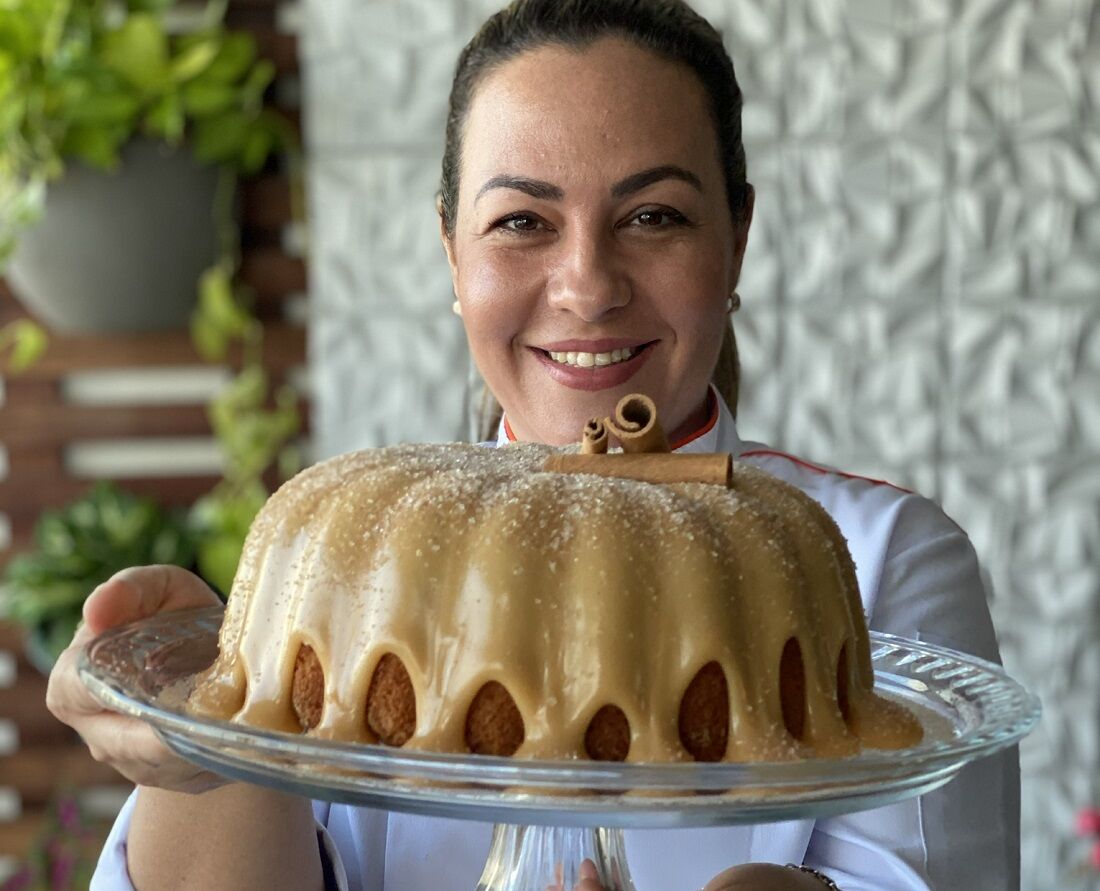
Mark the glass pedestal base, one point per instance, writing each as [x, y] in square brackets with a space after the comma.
[549, 858]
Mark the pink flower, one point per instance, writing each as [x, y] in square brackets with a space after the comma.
[68, 815]
[1094, 856]
[1088, 821]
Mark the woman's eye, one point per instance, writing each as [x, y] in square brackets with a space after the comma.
[655, 219]
[518, 223]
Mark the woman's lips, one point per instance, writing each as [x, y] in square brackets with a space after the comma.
[598, 377]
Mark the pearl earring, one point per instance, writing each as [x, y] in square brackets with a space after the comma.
[456, 308]
[733, 303]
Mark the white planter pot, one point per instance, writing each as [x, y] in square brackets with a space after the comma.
[120, 251]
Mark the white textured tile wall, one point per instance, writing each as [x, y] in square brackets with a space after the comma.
[922, 289]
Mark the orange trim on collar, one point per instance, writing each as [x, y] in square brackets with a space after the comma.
[772, 453]
[712, 402]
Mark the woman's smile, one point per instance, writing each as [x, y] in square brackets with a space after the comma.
[595, 364]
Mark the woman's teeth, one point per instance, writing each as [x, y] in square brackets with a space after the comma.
[590, 360]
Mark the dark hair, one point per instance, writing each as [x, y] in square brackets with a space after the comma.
[668, 28]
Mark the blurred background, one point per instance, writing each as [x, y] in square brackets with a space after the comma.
[921, 304]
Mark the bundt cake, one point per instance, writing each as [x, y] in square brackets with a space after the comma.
[459, 598]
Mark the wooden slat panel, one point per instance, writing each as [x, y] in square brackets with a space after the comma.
[284, 347]
[22, 538]
[25, 704]
[22, 499]
[40, 425]
[29, 460]
[23, 391]
[271, 273]
[265, 202]
[37, 773]
[17, 836]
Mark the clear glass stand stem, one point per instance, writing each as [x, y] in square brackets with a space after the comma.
[548, 858]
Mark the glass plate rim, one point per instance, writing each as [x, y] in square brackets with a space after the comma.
[1016, 708]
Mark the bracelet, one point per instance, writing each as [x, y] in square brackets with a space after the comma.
[824, 879]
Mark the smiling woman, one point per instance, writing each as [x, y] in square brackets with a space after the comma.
[594, 211]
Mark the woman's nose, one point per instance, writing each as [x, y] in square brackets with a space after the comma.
[588, 281]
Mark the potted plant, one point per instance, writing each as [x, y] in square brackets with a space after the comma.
[78, 548]
[120, 140]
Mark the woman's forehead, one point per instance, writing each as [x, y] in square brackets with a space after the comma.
[611, 105]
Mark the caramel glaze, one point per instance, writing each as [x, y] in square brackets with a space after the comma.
[574, 592]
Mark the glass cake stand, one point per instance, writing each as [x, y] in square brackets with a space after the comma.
[551, 815]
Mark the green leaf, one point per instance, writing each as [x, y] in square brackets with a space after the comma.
[27, 341]
[96, 146]
[103, 108]
[202, 98]
[219, 305]
[261, 75]
[210, 341]
[258, 145]
[194, 59]
[166, 118]
[218, 559]
[220, 138]
[234, 58]
[138, 51]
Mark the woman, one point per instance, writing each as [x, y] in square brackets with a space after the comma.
[594, 213]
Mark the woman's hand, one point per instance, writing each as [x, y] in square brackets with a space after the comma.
[764, 877]
[748, 877]
[589, 879]
[127, 744]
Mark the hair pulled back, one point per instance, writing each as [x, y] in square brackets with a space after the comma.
[668, 28]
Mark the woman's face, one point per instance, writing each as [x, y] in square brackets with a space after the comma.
[593, 251]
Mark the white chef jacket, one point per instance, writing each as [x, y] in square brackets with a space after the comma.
[919, 578]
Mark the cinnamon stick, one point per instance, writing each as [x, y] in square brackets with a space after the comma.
[594, 437]
[636, 427]
[714, 469]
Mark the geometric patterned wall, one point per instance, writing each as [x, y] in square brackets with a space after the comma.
[921, 289]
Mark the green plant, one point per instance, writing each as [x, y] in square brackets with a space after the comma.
[79, 78]
[254, 423]
[81, 546]
[26, 341]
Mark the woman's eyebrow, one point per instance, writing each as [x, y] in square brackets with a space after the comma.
[544, 191]
[638, 181]
[536, 188]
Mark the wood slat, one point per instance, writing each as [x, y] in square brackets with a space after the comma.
[17, 836]
[25, 499]
[29, 460]
[284, 347]
[25, 704]
[265, 202]
[37, 773]
[38, 426]
[22, 391]
[272, 274]
[22, 538]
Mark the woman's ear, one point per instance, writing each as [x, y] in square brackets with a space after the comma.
[741, 232]
[448, 241]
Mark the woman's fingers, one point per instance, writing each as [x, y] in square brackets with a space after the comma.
[133, 749]
[144, 591]
[127, 744]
